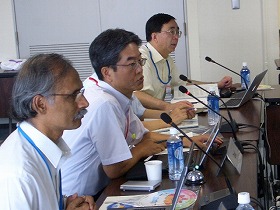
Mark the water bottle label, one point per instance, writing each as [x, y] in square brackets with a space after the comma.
[245, 78]
[178, 153]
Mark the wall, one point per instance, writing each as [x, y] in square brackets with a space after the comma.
[227, 36]
[7, 36]
[232, 36]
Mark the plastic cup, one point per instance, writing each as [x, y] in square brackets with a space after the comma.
[154, 169]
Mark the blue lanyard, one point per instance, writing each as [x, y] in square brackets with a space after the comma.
[169, 72]
[61, 206]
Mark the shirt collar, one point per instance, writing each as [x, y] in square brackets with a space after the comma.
[122, 99]
[157, 57]
[55, 153]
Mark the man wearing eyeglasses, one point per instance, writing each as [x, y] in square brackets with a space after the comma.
[111, 139]
[162, 35]
[46, 100]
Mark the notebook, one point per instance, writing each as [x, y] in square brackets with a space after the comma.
[239, 99]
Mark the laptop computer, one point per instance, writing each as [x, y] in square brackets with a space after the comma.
[212, 136]
[233, 156]
[238, 100]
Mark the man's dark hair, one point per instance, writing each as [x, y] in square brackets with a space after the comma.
[106, 48]
[155, 23]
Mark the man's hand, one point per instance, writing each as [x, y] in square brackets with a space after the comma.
[226, 82]
[200, 140]
[80, 202]
[178, 115]
[180, 105]
[148, 147]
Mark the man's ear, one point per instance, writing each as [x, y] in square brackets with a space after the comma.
[154, 36]
[107, 74]
[39, 104]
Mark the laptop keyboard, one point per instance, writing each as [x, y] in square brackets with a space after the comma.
[232, 102]
[238, 94]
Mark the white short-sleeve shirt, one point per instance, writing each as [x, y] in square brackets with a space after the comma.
[25, 181]
[152, 84]
[104, 138]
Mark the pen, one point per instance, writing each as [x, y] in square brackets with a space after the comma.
[148, 158]
[195, 102]
[161, 141]
[195, 109]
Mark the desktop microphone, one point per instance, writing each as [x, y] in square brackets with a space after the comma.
[210, 60]
[186, 168]
[227, 199]
[236, 141]
[224, 128]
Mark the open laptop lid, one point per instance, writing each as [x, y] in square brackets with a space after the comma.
[213, 133]
[233, 156]
[253, 87]
[249, 94]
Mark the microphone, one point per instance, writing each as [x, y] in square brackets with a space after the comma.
[210, 60]
[231, 198]
[224, 128]
[237, 143]
[167, 119]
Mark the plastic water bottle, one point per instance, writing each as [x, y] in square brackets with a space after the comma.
[175, 155]
[244, 201]
[213, 102]
[168, 92]
[245, 73]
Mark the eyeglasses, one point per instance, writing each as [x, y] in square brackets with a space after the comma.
[76, 95]
[174, 32]
[134, 65]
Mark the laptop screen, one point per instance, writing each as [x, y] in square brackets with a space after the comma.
[212, 135]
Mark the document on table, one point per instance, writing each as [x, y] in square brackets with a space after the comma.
[197, 92]
[188, 123]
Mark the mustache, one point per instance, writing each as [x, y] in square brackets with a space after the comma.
[80, 114]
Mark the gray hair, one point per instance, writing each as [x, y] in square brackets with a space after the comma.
[40, 75]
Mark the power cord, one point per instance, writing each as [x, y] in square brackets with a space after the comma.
[242, 125]
[247, 146]
[258, 203]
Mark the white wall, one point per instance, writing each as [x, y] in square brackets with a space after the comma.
[232, 36]
[215, 30]
[7, 35]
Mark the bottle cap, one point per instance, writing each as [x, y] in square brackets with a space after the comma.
[243, 198]
[244, 63]
[173, 131]
[212, 90]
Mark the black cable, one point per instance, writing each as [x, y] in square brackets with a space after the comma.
[257, 95]
[261, 166]
[258, 203]
[243, 125]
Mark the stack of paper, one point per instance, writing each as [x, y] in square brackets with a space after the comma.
[197, 92]
[188, 123]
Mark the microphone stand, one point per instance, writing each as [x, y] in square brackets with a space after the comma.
[182, 179]
[167, 119]
[224, 128]
[210, 60]
[238, 144]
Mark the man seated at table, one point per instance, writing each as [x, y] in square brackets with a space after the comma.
[162, 35]
[46, 100]
[178, 115]
[111, 139]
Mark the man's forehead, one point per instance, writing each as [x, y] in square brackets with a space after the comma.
[171, 25]
[71, 81]
[130, 53]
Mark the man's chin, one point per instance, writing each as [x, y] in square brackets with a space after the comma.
[76, 124]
